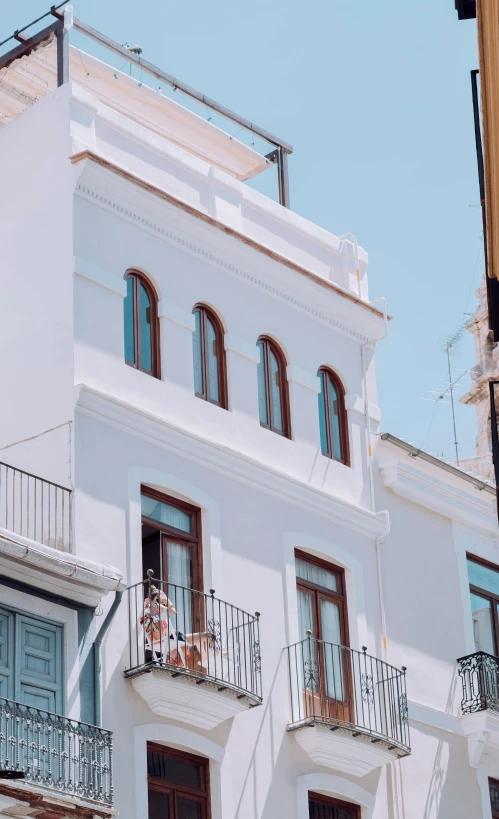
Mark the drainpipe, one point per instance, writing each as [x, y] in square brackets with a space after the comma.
[97, 654]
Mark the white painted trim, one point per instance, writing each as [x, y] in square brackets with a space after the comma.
[176, 314]
[355, 403]
[112, 410]
[184, 740]
[440, 496]
[172, 485]
[299, 376]
[435, 719]
[354, 578]
[337, 787]
[31, 604]
[242, 347]
[97, 275]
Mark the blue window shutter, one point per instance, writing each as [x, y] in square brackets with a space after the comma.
[39, 665]
[7, 675]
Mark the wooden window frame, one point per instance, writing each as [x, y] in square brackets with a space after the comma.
[194, 538]
[340, 598]
[138, 278]
[488, 595]
[495, 783]
[163, 786]
[270, 344]
[333, 803]
[343, 418]
[207, 312]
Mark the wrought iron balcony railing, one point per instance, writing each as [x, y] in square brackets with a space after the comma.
[55, 752]
[342, 688]
[479, 674]
[193, 634]
[35, 508]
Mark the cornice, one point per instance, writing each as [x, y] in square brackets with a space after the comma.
[117, 413]
[357, 310]
[487, 16]
[439, 496]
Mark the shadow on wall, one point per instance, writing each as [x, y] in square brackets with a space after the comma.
[265, 746]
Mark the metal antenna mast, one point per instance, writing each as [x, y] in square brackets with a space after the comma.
[451, 391]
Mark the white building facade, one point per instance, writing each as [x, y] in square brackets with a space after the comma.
[211, 567]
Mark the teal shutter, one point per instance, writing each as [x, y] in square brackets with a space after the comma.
[6, 654]
[39, 667]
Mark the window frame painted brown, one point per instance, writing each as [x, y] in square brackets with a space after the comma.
[193, 539]
[488, 595]
[139, 278]
[207, 312]
[163, 786]
[495, 783]
[339, 598]
[333, 803]
[342, 414]
[270, 344]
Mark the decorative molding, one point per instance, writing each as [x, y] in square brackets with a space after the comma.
[413, 484]
[201, 706]
[482, 731]
[305, 379]
[97, 275]
[435, 719]
[355, 403]
[339, 750]
[176, 314]
[242, 347]
[73, 575]
[129, 212]
[111, 410]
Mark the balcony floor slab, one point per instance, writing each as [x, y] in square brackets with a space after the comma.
[340, 751]
[21, 798]
[196, 702]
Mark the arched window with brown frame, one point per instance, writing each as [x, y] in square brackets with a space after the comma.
[333, 417]
[273, 398]
[141, 325]
[210, 382]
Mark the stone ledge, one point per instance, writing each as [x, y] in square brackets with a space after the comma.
[20, 798]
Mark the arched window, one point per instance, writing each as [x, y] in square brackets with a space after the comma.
[273, 401]
[141, 324]
[333, 417]
[209, 357]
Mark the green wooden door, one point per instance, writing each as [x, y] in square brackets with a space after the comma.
[31, 660]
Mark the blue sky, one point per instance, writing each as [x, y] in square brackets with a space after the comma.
[375, 98]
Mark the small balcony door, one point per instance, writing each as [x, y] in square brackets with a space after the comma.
[171, 547]
[322, 611]
[484, 595]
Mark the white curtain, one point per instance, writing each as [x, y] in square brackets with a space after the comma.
[333, 656]
[180, 573]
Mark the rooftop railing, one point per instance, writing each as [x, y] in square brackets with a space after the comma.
[35, 508]
[189, 633]
[55, 752]
[479, 674]
[343, 688]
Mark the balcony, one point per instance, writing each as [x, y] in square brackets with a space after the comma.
[348, 709]
[53, 766]
[193, 657]
[36, 539]
[479, 675]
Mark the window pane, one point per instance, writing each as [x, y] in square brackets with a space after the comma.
[174, 769]
[145, 329]
[305, 614]
[128, 316]
[197, 354]
[483, 577]
[262, 391]
[335, 420]
[211, 345]
[188, 809]
[316, 574]
[275, 390]
[333, 656]
[164, 513]
[180, 573]
[322, 417]
[318, 810]
[159, 805]
[482, 624]
[494, 795]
